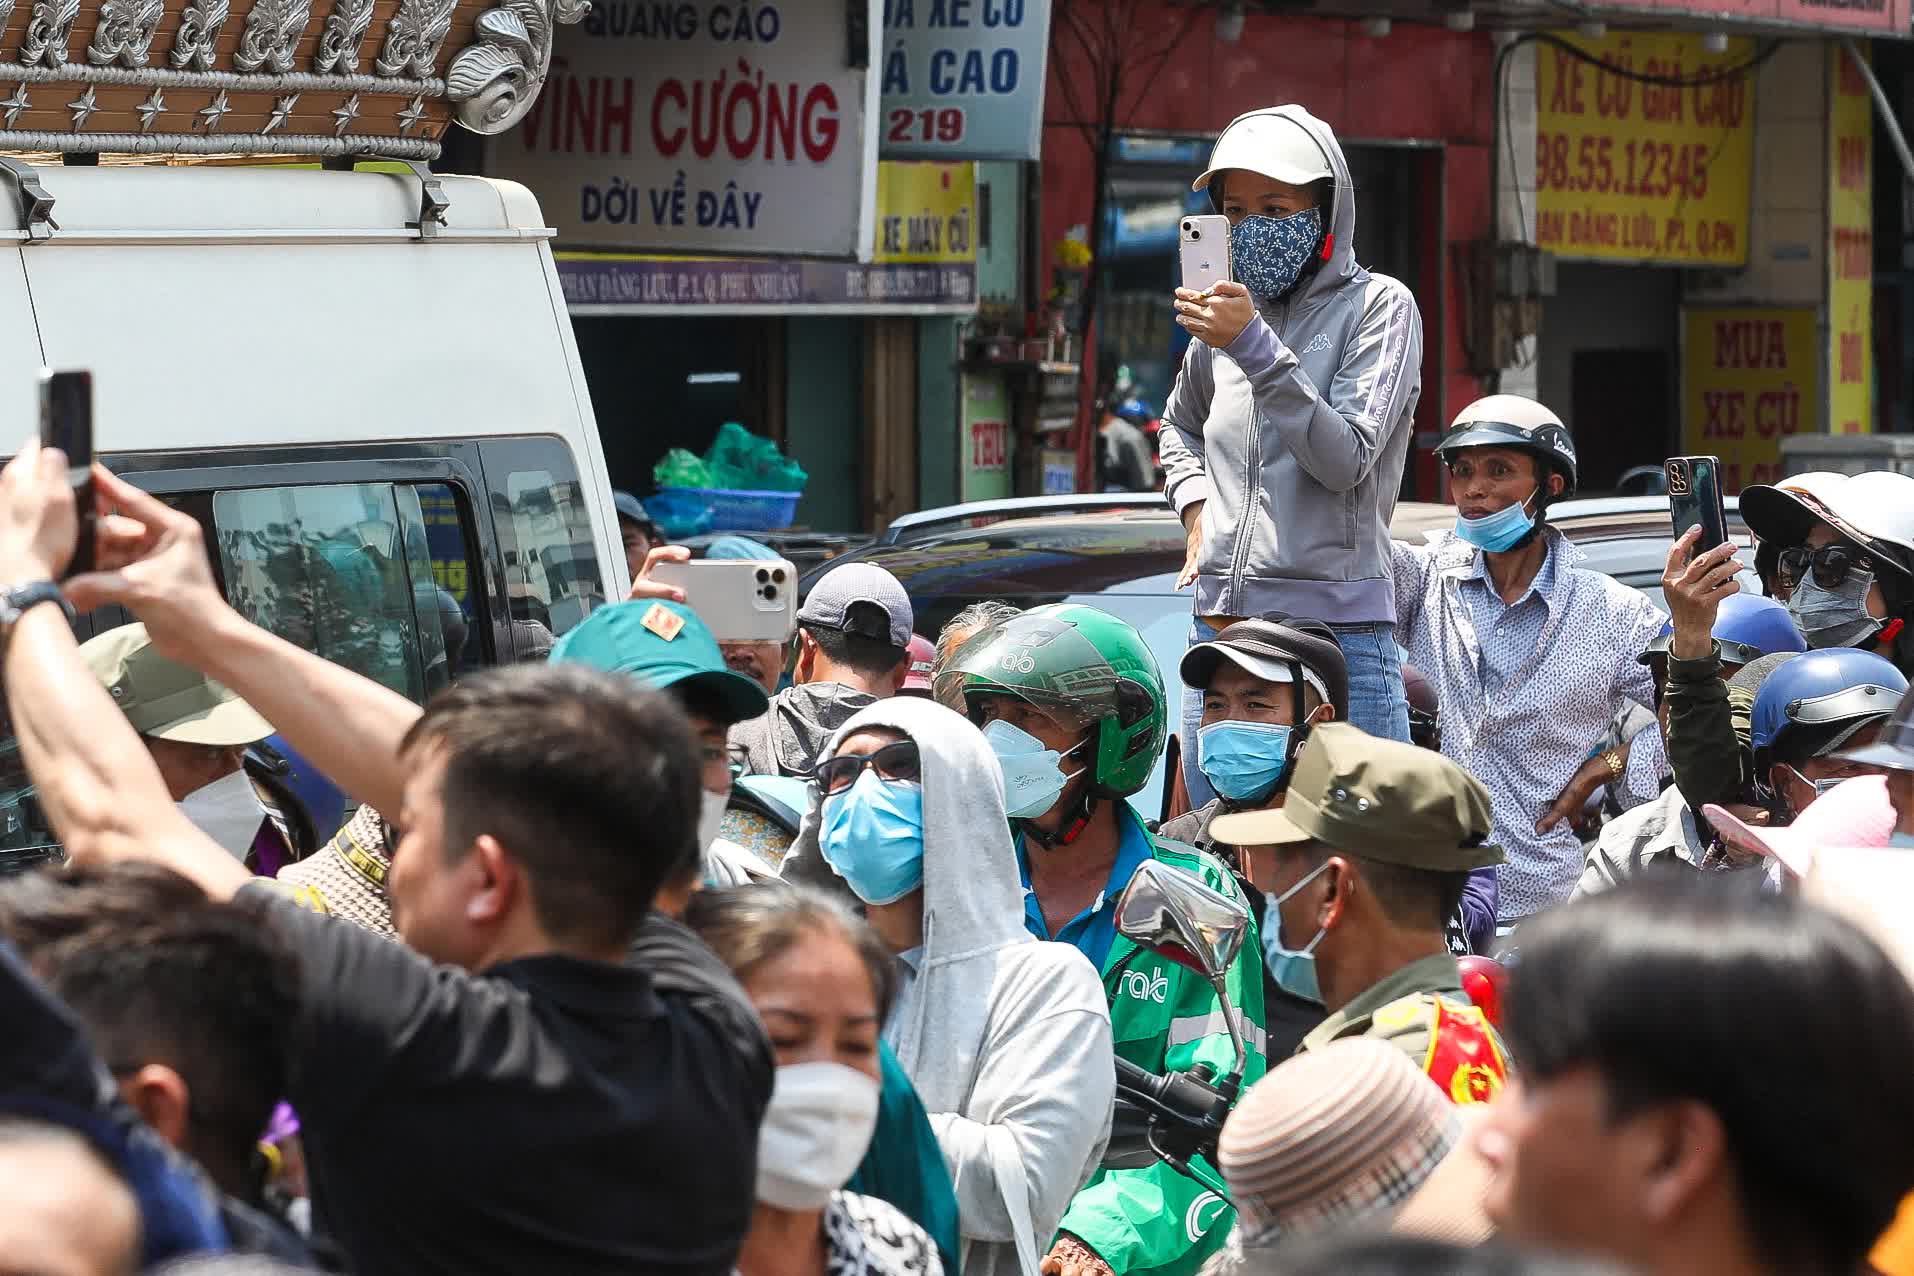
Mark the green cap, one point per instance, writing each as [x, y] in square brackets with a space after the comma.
[163, 698]
[663, 644]
[1379, 799]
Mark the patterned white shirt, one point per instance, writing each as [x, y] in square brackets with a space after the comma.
[1526, 689]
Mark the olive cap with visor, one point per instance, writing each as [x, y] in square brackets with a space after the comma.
[1377, 799]
[166, 700]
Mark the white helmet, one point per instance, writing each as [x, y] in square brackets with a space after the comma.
[1877, 510]
[1276, 145]
[1784, 512]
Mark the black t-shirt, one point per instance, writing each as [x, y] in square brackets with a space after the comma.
[550, 1115]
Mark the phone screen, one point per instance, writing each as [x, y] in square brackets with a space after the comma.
[66, 422]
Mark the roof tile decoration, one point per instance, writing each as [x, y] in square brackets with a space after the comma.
[328, 78]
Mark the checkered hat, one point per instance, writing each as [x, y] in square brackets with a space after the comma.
[348, 873]
[1334, 1136]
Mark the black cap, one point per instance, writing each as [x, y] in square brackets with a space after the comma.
[1275, 639]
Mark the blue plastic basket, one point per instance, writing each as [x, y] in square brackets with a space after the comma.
[733, 511]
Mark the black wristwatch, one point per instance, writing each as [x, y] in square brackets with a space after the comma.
[14, 603]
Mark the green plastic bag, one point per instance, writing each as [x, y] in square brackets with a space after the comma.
[740, 461]
[682, 468]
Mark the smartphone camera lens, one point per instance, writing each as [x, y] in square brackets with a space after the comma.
[768, 592]
[763, 575]
[778, 575]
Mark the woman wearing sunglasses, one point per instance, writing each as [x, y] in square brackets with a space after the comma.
[1844, 562]
[1006, 1039]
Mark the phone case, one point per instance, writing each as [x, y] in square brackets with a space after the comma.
[1694, 498]
[739, 600]
[1203, 246]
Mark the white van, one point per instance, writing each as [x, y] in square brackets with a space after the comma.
[385, 434]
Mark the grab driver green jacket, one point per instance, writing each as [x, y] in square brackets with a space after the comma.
[1156, 1221]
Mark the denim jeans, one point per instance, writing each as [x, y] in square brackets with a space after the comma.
[1377, 702]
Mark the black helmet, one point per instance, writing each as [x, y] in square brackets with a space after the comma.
[1512, 421]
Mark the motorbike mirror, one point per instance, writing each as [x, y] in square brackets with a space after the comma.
[1171, 913]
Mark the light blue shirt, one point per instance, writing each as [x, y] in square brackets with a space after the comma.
[1093, 930]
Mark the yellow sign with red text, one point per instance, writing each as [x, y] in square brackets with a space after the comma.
[1629, 171]
[1749, 379]
[1850, 247]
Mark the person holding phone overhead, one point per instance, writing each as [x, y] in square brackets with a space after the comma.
[1285, 434]
[1531, 655]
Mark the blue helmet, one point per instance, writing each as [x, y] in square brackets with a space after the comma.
[1748, 627]
[1832, 694]
[1135, 410]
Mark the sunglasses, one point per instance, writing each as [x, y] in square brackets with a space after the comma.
[898, 761]
[1830, 564]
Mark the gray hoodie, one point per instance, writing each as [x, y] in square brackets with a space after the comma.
[1296, 434]
[788, 737]
[1006, 1038]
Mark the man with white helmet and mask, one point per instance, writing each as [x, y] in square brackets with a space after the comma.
[1846, 560]
[1531, 655]
[1284, 437]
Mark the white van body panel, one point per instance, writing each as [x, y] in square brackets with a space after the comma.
[256, 307]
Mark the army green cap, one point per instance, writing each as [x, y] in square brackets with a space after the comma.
[1380, 799]
[163, 698]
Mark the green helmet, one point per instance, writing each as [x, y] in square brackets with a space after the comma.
[1079, 661]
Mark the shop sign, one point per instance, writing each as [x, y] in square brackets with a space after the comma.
[924, 256]
[1850, 248]
[926, 213]
[722, 126]
[963, 79]
[1885, 16]
[1059, 472]
[1627, 171]
[1750, 378]
[984, 422]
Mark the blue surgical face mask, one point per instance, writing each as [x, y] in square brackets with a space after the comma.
[1267, 254]
[872, 836]
[1243, 761]
[1902, 841]
[1494, 533]
[1033, 773]
[1293, 969]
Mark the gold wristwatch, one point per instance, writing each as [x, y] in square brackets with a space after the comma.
[1612, 759]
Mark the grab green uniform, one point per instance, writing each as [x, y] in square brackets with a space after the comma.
[1164, 1017]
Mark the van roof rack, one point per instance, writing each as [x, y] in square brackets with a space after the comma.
[328, 79]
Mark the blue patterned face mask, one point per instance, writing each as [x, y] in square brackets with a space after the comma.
[1267, 254]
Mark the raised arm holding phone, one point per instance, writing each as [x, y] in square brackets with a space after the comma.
[1286, 431]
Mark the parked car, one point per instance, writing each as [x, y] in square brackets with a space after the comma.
[1122, 552]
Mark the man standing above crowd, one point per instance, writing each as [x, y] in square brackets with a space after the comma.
[1531, 654]
[854, 634]
[1367, 857]
[494, 1094]
[1284, 436]
[1073, 707]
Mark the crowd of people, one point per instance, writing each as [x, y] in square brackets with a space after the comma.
[642, 960]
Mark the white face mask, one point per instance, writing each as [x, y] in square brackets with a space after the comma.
[815, 1133]
[710, 816]
[226, 811]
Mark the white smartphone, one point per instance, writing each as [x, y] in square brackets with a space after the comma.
[1203, 244]
[739, 599]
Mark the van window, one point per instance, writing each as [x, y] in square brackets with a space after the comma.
[551, 565]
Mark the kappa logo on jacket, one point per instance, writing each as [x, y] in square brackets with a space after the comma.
[1154, 986]
[1317, 343]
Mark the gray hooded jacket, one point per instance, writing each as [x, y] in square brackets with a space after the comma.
[1296, 433]
[790, 735]
[1005, 1037]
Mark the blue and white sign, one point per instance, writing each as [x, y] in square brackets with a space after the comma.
[963, 79]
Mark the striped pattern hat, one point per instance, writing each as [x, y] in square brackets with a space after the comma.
[1331, 1137]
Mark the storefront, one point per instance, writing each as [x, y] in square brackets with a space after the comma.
[731, 249]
